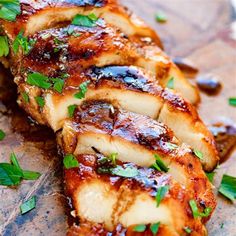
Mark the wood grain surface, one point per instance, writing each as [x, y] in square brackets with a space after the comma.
[203, 31]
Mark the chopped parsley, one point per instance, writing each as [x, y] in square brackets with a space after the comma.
[159, 164]
[71, 110]
[210, 176]
[9, 9]
[154, 228]
[40, 101]
[70, 161]
[198, 154]
[22, 42]
[58, 85]
[28, 205]
[2, 135]
[161, 192]
[127, 172]
[228, 187]
[170, 83]
[232, 101]
[161, 17]
[196, 212]
[139, 228]
[25, 97]
[85, 20]
[4, 47]
[11, 174]
[187, 230]
[83, 89]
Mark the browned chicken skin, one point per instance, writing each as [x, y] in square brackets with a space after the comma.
[125, 109]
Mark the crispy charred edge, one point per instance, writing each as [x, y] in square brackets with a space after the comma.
[140, 130]
[148, 180]
[32, 8]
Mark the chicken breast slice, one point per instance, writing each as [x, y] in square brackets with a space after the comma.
[136, 138]
[111, 200]
[55, 52]
[40, 14]
[131, 89]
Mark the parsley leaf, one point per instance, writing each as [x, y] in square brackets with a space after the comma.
[40, 101]
[196, 212]
[83, 89]
[38, 80]
[228, 187]
[154, 228]
[4, 47]
[28, 205]
[232, 101]
[159, 164]
[71, 110]
[2, 135]
[12, 174]
[9, 9]
[58, 86]
[161, 192]
[187, 230]
[198, 154]
[25, 97]
[210, 176]
[70, 161]
[170, 83]
[23, 42]
[85, 20]
[139, 228]
[128, 172]
[161, 17]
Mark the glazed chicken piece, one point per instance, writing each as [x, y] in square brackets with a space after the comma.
[37, 15]
[133, 90]
[101, 194]
[98, 126]
[55, 53]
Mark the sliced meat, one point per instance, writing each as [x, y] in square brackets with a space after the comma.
[39, 15]
[136, 138]
[133, 90]
[102, 197]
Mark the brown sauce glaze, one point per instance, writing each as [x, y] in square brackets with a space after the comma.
[225, 136]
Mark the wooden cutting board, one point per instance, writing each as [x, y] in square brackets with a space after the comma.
[199, 30]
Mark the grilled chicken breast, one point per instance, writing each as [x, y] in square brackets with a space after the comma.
[102, 196]
[122, 86]
[40, 14]
[137, 139]
[99, 46]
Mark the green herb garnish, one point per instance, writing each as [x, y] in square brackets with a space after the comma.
[187, 230]
[228, 187]
[85, 20]
[38, 80]
[71, 110]
[154, 228]
[23, 42]
[161, 17]
[159, 164]
[58, 86]
[198, 154]
[196, 212]
[28, 205]
[210, 176]
[139, 228]
[83, 90]
[9, 9]
[2, 135]
[161, 192]
[40, 101]
[127, 172]
[170, 83]
[70, 161]
[12, 174]
[232, 101]
[25, 97]
[4, 47]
